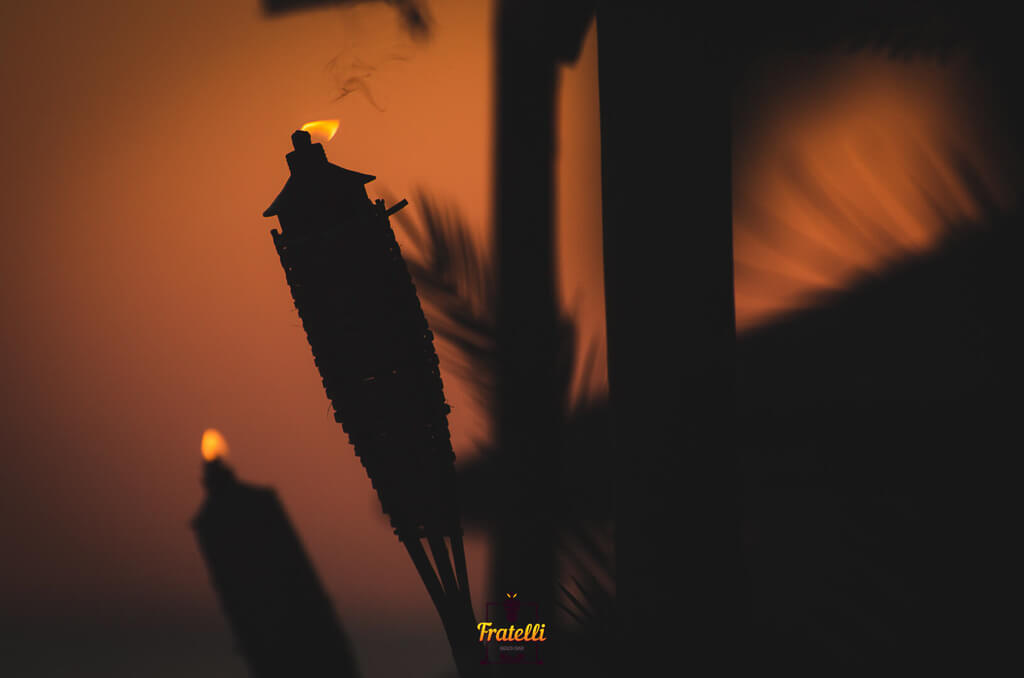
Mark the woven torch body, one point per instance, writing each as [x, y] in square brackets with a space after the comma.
[369, 338]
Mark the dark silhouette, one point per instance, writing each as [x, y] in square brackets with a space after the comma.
[281, 617]
[877, 477]
[665, 139]
[532, 39]
[862, 513]
[376, 358]
[667, 77]
[459, 284]
[412, 13]
[683, 579]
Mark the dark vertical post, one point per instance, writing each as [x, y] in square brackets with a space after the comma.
[528, 413]
[665, 141]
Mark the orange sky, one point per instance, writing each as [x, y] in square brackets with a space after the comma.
[143, 301]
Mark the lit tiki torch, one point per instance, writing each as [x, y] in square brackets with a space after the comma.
[283, 622]
[376, 358]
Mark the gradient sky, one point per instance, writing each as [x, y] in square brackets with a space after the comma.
[143, 301]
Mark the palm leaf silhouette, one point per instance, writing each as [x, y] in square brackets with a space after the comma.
[456, 281]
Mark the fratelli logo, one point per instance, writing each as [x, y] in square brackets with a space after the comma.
[512, 632]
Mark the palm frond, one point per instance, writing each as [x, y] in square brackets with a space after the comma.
[457, 282]
[590, 598]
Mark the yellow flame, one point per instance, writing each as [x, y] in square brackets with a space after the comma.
[322, 130]
[213, 445]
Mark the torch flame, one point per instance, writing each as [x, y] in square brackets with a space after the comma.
[213, 445]
[321, 130]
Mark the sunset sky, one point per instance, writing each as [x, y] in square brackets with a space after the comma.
[143, 301]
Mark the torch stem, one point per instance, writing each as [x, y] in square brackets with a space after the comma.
[459, 556]
[419, 559]
[452, 602]
[444, 566]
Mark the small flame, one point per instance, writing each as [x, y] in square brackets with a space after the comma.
[321, 130]
[213, 445]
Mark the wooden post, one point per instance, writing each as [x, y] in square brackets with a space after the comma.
[528, 415]
[665, 136]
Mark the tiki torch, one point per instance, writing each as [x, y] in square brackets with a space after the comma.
[377, 361]
[283, 622]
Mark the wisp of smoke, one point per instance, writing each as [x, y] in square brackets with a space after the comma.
[352, 75]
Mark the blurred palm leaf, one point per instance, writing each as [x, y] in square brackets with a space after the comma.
[457, 284]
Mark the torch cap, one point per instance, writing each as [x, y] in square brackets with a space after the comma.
[307, 156]
[309, 162]
[217, 476]
[301, 138]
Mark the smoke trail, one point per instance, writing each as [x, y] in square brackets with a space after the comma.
[351, 74]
